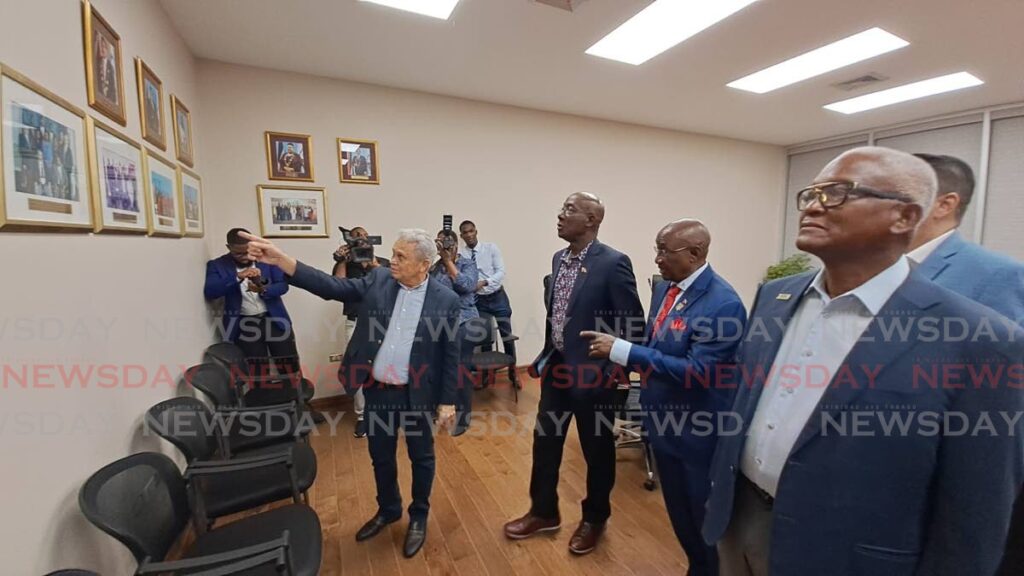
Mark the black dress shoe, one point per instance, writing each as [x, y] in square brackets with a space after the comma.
[373, 527]
[360, 428]
[415, 537]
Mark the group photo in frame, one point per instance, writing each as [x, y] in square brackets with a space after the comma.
[190, 191]
[151, 105]
[162, 200]
[289, 156]
[357, 161]
[43, 141]
[292, 211]
[184, 143]
[116, 175]
[104, 78]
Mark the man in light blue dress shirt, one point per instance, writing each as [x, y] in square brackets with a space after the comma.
[491, 299]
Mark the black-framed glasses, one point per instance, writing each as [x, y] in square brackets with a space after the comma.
[834, 194]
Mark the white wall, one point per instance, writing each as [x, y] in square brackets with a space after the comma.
[508, 169]
[85, 300]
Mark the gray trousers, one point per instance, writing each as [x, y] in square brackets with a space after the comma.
[744, 549]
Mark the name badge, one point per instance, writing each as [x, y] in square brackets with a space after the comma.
[783, 296]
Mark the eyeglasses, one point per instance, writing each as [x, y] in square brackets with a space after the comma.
[834, 194]
[662, 252]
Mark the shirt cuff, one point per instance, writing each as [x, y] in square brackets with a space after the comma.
[620, 352]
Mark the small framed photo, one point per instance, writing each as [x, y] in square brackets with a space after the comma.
[115, 171]
[292, 211]
[151, 105]
[357, 161]
[104, 80]
[45, 178]
[184, 143]
[289, 156]
[162, 197]
[190, 189]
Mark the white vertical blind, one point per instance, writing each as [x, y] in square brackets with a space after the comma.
[1004, 209]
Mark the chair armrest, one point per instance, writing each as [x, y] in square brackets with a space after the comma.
[278, 557]
[213, 560]
[214, 467]
[283, 407]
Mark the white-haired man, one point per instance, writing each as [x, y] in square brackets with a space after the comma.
[404, 355]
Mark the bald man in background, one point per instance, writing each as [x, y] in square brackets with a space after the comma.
[695, 325]
[592, 288]
[819, 480]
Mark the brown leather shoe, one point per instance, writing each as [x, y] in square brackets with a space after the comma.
[529, 525]
[585, 538]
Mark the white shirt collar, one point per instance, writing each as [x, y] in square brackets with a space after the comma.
[416, 288]
[685, 283]
[874, 293]
[922, 252]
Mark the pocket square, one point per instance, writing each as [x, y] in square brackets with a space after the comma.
[678, 324]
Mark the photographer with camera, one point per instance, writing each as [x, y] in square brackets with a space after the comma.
[460, 275]
[355, 259]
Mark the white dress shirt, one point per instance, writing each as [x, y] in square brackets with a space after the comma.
[252, 304]
[391, 366]
[819, 337]
[922, 252]
[621, 348]
[489, 263]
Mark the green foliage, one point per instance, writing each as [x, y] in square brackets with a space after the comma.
[795, 264]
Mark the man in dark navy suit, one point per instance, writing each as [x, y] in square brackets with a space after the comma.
[254, 316]
[695, 325]
[404, 353]
[592, 288]
[874, 440]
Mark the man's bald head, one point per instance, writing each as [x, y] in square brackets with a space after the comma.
[590, 204]
[693, 232]
[682, 248]
[580, 218]
[887, 170]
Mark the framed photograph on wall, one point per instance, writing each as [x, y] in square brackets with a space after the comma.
[357, 161]
[104, 80]
[45, 180]
[184, 143]
[292, 212]
[190, 190]
[115, 172]
[289, 156]
[151, 105]
[162, 196]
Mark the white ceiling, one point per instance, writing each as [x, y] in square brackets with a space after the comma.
[526, 54]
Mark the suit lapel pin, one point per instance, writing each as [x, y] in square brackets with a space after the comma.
[680, 306]
[783, 296]
[583, 269]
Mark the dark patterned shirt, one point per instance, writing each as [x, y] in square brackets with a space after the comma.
[568, 271]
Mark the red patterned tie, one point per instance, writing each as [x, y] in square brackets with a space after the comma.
[670, 299]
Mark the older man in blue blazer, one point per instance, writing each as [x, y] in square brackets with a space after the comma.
[404, 353]
[695, 324]
[966, 268]
[872, 442]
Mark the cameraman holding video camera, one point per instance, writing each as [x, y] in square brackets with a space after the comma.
[355, 259]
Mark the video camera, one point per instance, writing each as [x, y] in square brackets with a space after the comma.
[446, 224]
[360, 249]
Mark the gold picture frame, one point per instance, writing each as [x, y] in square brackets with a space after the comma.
[116, 176]
[104, 76]
[289, 156]
[151, 105]
[358, 162]
[162, 203]
[44, 180]
[284, 211]
[193, 213]
[184, 137]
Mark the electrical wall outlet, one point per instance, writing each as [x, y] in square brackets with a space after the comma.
[335, 357]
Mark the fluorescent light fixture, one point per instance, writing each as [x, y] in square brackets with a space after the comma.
[434, 8]
[867, 44]
[661, 26]
[913, 91]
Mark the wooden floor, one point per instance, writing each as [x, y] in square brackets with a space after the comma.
[482, 481]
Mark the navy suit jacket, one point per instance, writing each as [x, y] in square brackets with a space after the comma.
[222, 282]
[604, 299]
[681, 366]
[868, 502]
[434, 361]
[979, 274]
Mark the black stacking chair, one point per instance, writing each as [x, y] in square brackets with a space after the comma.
[278, 422]
[73, 572]
[143, 502]
[250, 479]
[259, 389]
[486, 360]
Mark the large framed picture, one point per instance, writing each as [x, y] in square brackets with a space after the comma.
[184, 143]
[292, 211]
[151, 105]
[162, 197]
[357, 161]
[115, 171]
[104, 80]
[45, 181]
[289, 156]
[190, 189]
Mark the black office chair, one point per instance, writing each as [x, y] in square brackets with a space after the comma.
[257, 389]
[73, 572]
[250, 479]
[143, 501]
[215, 382]
[629, 429]
[486, 360]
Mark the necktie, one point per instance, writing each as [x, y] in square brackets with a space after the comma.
[474, 255]
[670, 299]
